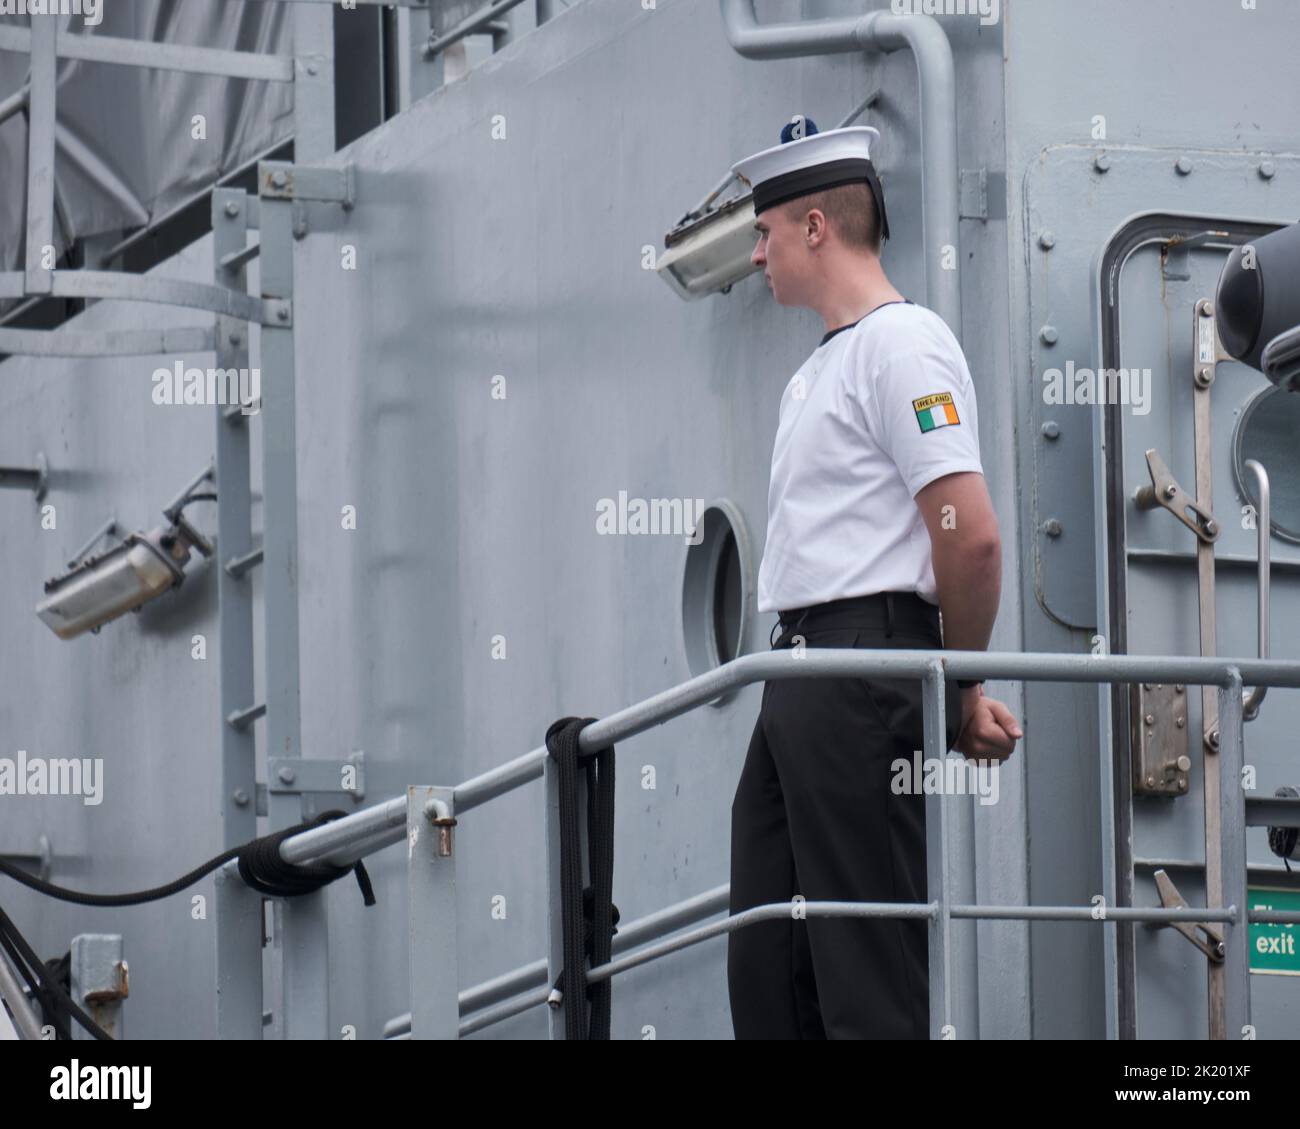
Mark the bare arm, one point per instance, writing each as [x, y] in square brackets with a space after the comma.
[967, 553]
[966, 550]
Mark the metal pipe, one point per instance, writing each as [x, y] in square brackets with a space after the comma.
[384, 823]
[475, 23]
[936, 75]
[16, 103]
[386, 819]
[11, 991]
[781, 912]
[528, 976]
[1264, 538]
[837, 663]
[158, 56]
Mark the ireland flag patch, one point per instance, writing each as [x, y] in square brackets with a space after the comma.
[936, 410]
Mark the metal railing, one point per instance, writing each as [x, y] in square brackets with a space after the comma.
[424, 818]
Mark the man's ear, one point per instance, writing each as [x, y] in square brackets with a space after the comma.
[815, 227]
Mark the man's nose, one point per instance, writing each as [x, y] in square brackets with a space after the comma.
[758, 259]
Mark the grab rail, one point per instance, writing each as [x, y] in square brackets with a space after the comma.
[437, 1001]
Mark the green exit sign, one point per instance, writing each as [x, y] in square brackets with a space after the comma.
[1273, 948]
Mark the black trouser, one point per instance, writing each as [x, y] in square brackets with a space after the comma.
[814, 815]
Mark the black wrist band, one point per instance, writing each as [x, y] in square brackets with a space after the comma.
[967, 683]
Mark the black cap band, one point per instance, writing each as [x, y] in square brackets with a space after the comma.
[831, 174]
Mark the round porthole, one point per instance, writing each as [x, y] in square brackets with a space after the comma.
[1268, 432]
[715, 591]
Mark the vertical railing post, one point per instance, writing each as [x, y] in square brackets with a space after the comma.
[1232, 856]
[936, 860]
[554, 889]
[431, 909]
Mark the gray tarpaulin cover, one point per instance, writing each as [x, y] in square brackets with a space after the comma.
[137, 124]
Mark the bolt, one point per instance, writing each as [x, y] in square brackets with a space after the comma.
[300, 229]
[287, 775]
[1150, 719]
[1184, 763]
[1052, 527]
[1047, 240]
[1178, 689]
[232, 209]
[1180, 721]
[1151, 781]
[236, 339]
[1184, 166]
[1102, 163]
[1051, 429]
[312, 68]
[282, 314]
[240, 797]
[1146, 686]
[279, 179]
[1211, 527]
[1171, 491]
[1213, 738]
[1049, 335]
[1267, 170]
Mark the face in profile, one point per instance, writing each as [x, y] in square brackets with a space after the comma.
[781, 254]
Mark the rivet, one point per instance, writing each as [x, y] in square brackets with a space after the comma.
[279, 179]
[1051, 429]
[1267, 170]
[1184, 166]
[1047, 240]
[240, 797]
[1049, 335]
[1102, 163]
[1052, 527]
[232, 209]
[287, 775]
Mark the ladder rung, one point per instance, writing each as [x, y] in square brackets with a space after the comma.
[242, 719]
[237, 566]
[237, 259]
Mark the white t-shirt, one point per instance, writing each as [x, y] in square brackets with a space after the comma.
[880, 410]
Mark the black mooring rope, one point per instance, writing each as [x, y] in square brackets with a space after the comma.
[588, 915]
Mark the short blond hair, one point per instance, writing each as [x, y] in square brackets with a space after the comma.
[850, 209]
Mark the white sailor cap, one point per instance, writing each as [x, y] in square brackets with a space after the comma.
[812, 164]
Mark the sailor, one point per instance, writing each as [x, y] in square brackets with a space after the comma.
[879, 519]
